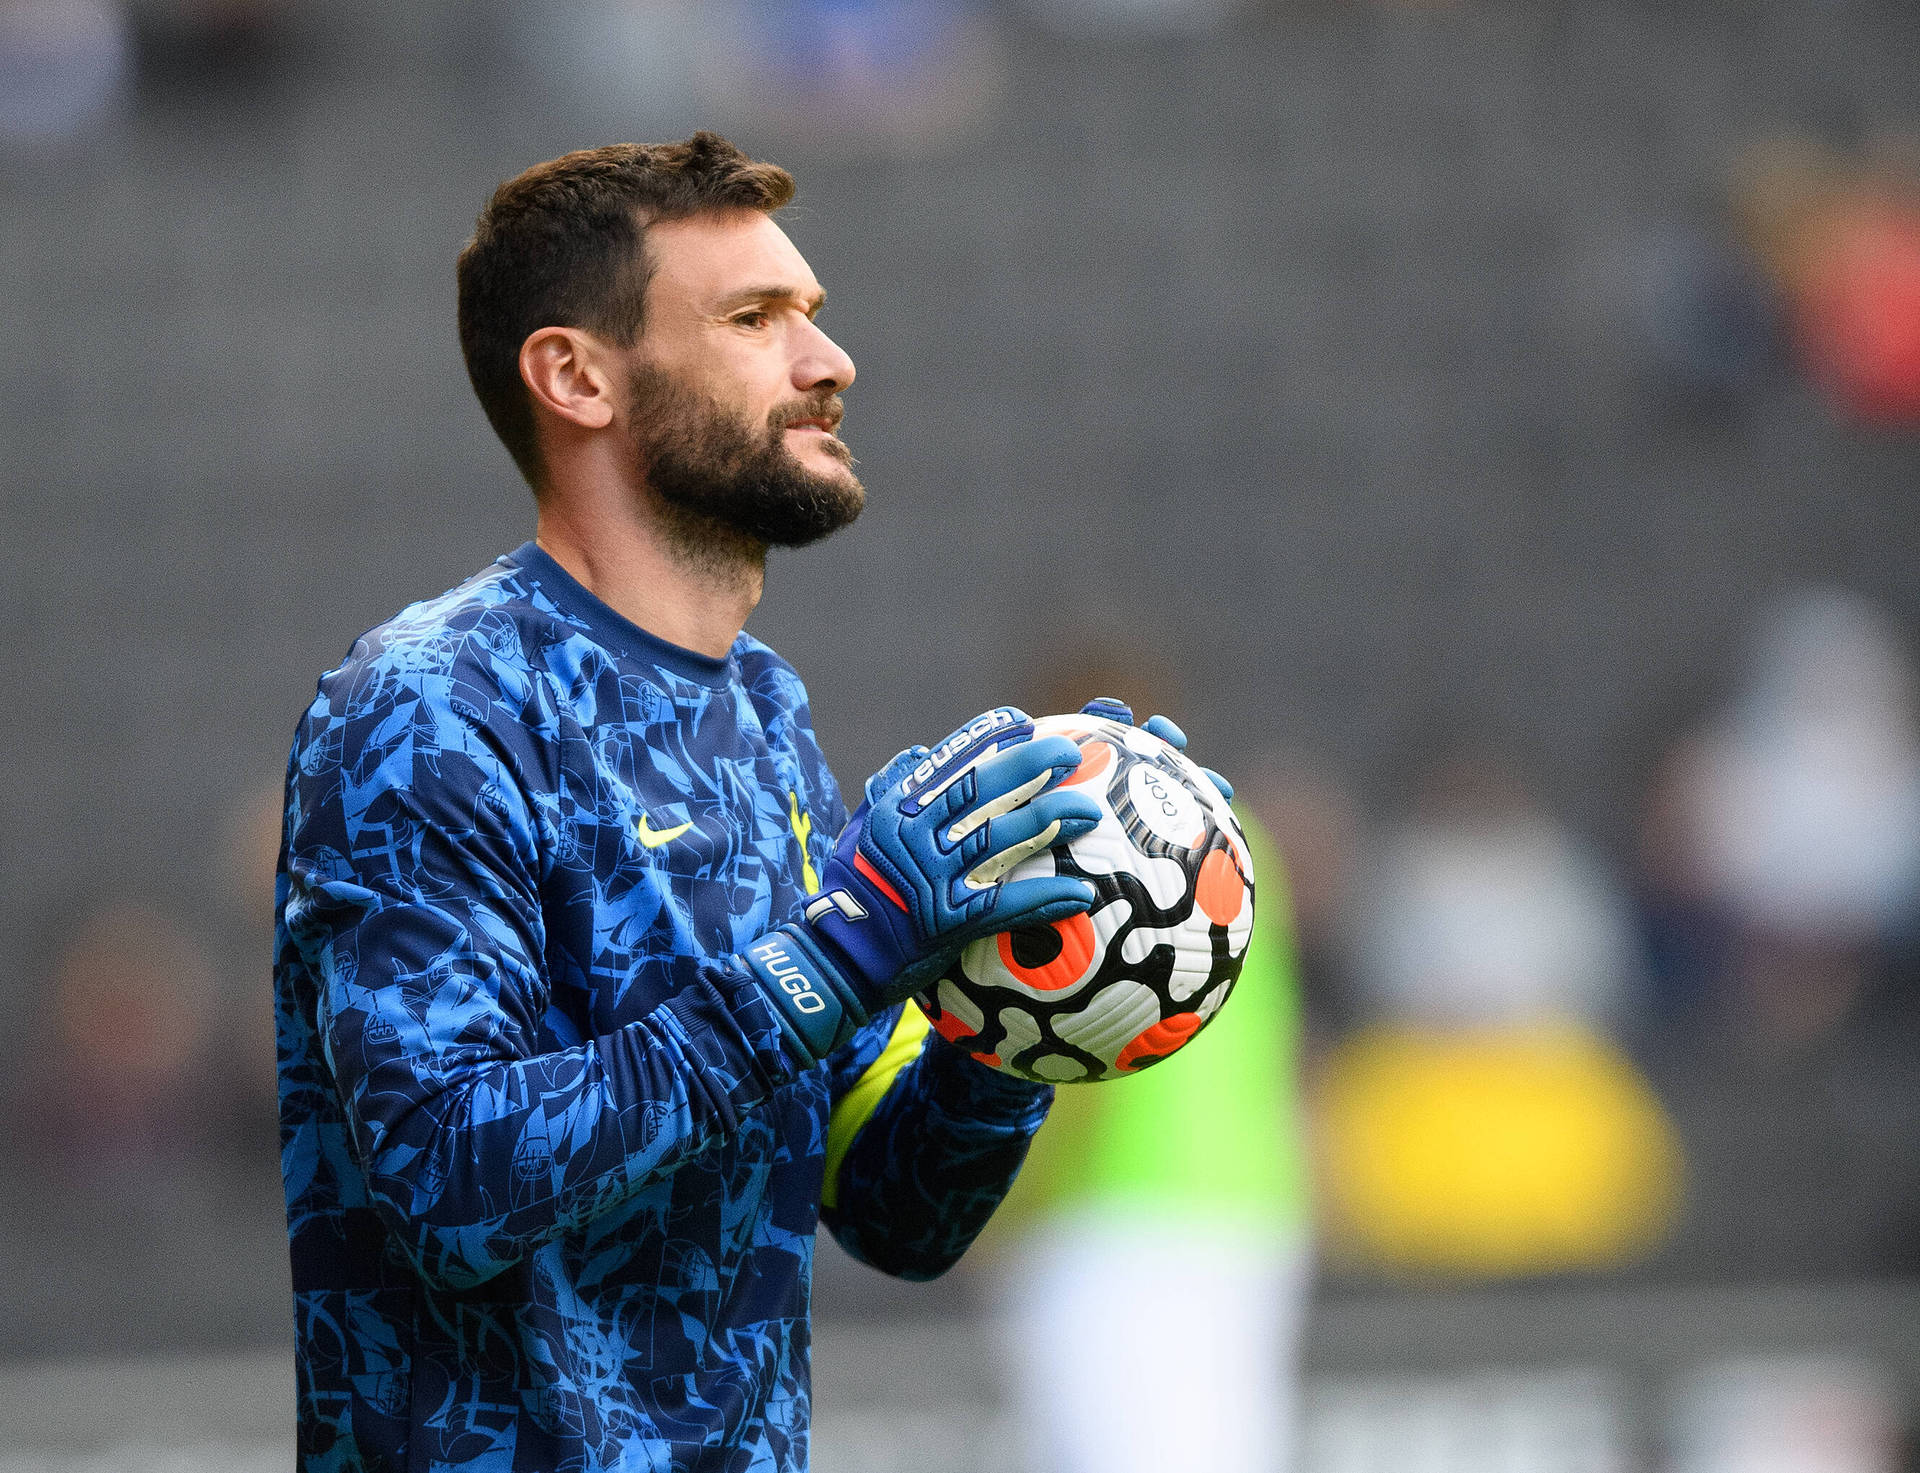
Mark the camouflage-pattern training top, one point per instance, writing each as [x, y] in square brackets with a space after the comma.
[552, 1176]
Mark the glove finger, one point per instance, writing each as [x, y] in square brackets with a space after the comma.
[1011, 769]
[1059, 910]
[1109, 708]
[1052, 818]
[986, 721]
[890, 776]
[1002, 783]
[1164, 728]
[1045, 898]
[1074, 812]
[1225, 787]
[948, 765]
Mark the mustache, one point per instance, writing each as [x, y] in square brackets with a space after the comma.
[826, 406]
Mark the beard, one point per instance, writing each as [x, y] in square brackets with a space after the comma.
[726, 490]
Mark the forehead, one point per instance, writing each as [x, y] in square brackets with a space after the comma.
[705, 259]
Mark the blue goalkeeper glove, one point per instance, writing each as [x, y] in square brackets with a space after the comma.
[919, 871]
[1158, 726]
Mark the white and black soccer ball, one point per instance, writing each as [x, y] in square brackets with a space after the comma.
[1108, 993]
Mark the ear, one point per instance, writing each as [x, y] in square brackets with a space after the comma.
[565, 370]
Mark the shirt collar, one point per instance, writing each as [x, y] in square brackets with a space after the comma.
[615, 630]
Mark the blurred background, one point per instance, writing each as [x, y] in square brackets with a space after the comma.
[1492, 428]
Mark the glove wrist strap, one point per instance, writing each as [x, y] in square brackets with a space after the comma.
[817, 1010]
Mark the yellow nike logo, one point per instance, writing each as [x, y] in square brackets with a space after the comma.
[652, 838]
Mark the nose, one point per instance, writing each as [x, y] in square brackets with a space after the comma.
[821, 363]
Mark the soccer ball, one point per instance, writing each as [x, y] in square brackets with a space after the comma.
[1108, 993]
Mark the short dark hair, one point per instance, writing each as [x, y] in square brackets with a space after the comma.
[562, 245]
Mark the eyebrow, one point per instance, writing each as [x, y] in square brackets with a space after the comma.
[750, 294]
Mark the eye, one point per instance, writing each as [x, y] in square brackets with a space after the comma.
[754, 319]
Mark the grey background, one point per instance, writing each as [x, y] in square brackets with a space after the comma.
[1313, 354]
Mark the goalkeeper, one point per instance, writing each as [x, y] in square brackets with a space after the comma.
[586, 1017]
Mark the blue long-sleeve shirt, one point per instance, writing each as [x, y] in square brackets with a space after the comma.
[552, 1175]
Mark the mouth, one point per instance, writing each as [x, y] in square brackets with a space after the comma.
[818, 426]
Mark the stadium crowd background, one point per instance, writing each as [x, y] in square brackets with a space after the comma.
[1498, 423]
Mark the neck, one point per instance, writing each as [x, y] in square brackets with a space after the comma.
[697, 597]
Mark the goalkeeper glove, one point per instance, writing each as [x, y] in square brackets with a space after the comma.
[919, 871]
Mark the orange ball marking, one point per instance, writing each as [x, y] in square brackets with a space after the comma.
[1220, 891]
[952, 1027]
[1158, 1041]
[1077, 943]
[1095, 758]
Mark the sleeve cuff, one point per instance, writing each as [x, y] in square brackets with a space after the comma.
[733, 1027]
[966, 1086]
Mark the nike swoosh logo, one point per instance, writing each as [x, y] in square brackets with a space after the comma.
[652, 838]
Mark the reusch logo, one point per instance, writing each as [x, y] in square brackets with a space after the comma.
[787, 972]
[954, 745]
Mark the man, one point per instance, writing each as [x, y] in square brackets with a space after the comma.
[585, 1018]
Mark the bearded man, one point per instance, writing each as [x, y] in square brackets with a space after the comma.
[586, 1018]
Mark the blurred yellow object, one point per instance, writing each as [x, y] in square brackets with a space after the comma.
[1515, 1150]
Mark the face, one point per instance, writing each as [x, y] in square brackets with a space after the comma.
[733, 389]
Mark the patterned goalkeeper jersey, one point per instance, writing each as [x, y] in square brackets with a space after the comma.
[552, 1176]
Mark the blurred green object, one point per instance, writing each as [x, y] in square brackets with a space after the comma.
[1214, 1131]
